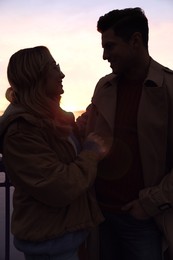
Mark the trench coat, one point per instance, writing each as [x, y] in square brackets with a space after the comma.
[155, 136]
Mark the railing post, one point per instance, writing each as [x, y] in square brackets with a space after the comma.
[7, 218]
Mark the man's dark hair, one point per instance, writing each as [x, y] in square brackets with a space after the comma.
[125, 22]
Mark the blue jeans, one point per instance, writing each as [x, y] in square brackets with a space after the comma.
[60, 248]
[66, 256]
[122, 237]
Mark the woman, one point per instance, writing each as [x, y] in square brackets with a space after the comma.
[54, 204]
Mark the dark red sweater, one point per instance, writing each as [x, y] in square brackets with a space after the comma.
[120, 174]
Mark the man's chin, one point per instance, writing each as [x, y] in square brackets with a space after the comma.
[116, 72]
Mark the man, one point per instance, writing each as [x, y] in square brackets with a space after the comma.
[133, 106]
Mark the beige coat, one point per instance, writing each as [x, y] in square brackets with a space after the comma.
[155, 132]
[53, 185]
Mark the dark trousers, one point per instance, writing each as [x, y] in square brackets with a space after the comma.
[122, 237]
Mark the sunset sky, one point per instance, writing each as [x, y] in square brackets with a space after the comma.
[68, 29]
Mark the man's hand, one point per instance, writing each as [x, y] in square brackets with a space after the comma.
[135, 209]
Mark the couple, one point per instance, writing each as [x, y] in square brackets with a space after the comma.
[118, 154]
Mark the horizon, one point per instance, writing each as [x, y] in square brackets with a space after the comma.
[76, 113]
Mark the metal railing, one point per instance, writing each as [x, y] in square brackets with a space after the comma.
[6, 184]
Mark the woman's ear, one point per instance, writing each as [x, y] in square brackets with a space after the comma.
[10, 94]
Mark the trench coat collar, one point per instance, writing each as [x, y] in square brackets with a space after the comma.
[155, 74]
[106, 98]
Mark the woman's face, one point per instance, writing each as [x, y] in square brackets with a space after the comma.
[54, 77]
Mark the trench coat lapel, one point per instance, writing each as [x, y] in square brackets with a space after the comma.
[106, 102]
[152, 124]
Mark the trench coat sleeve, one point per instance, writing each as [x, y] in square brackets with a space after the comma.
[35, 167]
[157, 199]
[82, 120]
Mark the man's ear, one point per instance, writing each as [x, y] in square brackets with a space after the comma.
[136, 40]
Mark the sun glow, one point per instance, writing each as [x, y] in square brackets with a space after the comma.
[69, 107]
[77, 48]
[73, 109]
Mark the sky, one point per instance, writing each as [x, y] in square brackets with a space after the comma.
[68, 29]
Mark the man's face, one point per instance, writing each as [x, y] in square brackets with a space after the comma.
[120, 54]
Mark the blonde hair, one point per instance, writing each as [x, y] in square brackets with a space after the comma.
[27, 72]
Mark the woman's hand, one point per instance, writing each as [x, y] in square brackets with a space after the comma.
[98, 144]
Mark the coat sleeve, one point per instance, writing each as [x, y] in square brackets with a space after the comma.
[36, 169]
[157, 199]
[82, 120]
